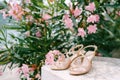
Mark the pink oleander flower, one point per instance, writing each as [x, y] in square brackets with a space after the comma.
[25, 69]
[56, 52]
[38, 34]
[90, 7]
[65, 16]
[68, 22]
[49, 58]
[16, 11]
[81, 32]
[93, 18]
[77, 12]
[46, 16]
[92, 29]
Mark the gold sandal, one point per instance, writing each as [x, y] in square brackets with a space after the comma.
[83, 64]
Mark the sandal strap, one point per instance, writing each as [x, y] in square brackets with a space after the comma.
[91, 46]
[72, 50]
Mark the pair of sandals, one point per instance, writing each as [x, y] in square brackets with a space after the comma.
[78, 60]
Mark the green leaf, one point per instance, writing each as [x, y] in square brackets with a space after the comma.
[4, 62]
[38, 3]
[1, 39]
[42, 5]
[2, 51]
[18, 57]
[97, 4]
[63, 6]
[4, 57]
[12, 36]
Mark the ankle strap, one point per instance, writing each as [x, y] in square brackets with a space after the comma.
[72, 50]
[91, 46]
